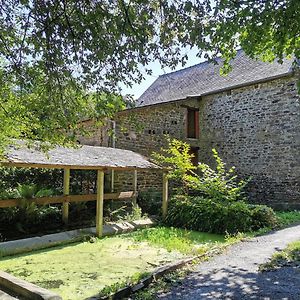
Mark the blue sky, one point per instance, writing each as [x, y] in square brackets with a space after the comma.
[138, 89]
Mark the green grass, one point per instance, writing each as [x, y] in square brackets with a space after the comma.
[288, 217]
[81, 270]
[175, 239]
[290, 256]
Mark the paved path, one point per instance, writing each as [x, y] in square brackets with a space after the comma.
[234, 274]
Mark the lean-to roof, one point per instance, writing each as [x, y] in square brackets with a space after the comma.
[82, 157]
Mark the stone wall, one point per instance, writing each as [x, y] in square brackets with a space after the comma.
[97, 135]
[146, 130]
[255, 128]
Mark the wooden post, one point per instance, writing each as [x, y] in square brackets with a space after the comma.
[165, 195]
[135, 188]
[99, 208]
[112, 182]
[65, 208]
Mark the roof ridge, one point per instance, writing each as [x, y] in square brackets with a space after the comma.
[190, 67]
[207, 61]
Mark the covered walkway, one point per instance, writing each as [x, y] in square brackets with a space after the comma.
[84, 158]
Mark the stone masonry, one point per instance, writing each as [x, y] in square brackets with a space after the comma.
[255, 128]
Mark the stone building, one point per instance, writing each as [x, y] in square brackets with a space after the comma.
[251, 116]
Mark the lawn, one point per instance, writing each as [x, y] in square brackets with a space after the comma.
[81, 270]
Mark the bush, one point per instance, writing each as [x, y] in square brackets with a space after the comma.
[10, 178]
[263, 216]
[207, 215]
[150, 201]
[28, 215]
[220, 184]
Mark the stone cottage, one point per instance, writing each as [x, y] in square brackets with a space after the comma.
[251, 116]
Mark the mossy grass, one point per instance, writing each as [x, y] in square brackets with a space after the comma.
[290, 256]
[176, 239]
[83, 269]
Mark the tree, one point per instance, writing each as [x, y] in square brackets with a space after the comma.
[63, 60]
[265, 29]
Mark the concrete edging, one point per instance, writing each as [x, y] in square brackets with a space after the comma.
[56, 239]
[143, 283]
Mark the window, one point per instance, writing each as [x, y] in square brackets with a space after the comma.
[192, 123]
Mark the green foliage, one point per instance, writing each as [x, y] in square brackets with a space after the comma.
[177, 158]
[260, 28]
[208, 215]
[28, 215]
[288, 217]
[52, 56]
[219, 184]
[114, 288]
[150, 201]
[220, 205]
[37, 111]
[81, 182]
[115, 212]
[262, 217]
[10, 178]
[175, 239]
[135, 214]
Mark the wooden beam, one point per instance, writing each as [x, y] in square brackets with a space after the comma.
[9, 203]
[68, 198]
[99, 207]
[65, 208]
[165, 195]
[134, 199]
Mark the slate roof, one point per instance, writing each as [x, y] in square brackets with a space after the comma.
[205, 78]
[83, 157]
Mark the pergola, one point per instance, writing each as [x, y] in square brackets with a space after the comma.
[83, 158]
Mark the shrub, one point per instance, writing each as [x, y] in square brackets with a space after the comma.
[10, 178]
[28, 214]
[150, 201]
[203, 214]
[219, 184]
[263, 216]
[178, 159]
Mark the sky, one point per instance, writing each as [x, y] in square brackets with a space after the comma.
[138, 88]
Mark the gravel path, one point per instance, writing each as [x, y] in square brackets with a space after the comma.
[234, 274]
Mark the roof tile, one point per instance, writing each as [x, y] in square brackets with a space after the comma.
[205, 78]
